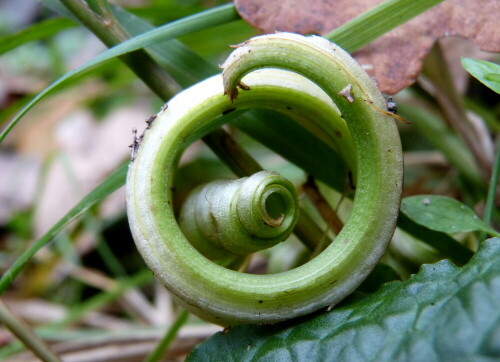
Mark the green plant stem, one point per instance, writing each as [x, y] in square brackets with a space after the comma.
[228, 297]
[324, 209]
[232, 154]
[242, 164]
[162, 347]
[492, 190]
[26, 335]
[37, 31]
[104, 9]
[111, 33]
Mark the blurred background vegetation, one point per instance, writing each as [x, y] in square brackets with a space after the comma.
[89, 290]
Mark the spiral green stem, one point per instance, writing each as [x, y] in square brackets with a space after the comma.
[369, 142]
[239, 217]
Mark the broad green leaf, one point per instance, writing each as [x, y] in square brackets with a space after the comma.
[443, 214]
[443, 313]
[111, 184]
[486, 72]
[37, 31]
[442, 242]
[493, 77]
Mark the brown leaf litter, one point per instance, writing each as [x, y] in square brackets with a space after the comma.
[395, 59]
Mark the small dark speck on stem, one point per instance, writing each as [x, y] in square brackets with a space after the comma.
[135, 144]
[227, 111]
[150, 120]
[351, 181]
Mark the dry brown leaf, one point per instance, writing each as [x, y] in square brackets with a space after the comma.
[394, 59]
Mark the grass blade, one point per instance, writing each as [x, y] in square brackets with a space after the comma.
[111, 184]
[206, 19]
[443, 139]
[162, 347]
[37, 31]
[26, 335]
[104, 298]
[377, 21]
[490, 199]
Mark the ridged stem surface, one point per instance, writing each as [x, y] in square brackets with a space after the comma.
[367, 138]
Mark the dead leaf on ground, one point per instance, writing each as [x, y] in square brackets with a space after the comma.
[397, 56]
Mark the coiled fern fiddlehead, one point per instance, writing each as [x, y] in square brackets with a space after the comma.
[370, 144]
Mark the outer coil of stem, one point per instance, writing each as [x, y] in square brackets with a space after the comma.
[228, 297]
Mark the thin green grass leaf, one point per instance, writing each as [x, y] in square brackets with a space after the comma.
[91, 224]
[486, 113]
[377, 21]
[443, 139]
[37, 31]
[26, 335]
[76, 313]
[490, 199]
[486, 72]
[59, 8]
[166, 11]
[162, 347]
[178, 60]
[443, 214]
[111, 184]
[206, 19]
[100, 300]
